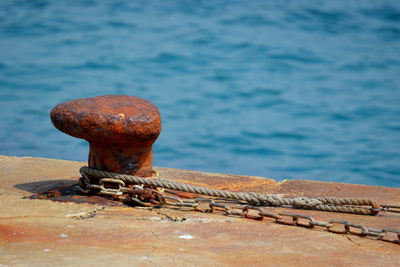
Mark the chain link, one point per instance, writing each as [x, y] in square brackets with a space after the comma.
[150, 197]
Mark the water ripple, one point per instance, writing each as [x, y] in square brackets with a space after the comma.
[289, 89]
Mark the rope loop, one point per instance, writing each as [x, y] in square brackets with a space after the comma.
[332, 204]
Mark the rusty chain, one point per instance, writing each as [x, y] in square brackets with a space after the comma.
[287, 218]
[150, 197]
[144, 196]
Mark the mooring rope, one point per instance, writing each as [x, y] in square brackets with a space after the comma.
[332, 204]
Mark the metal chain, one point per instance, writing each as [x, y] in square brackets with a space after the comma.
[332, 204]
[286, 218]
[148, 197]
[115, 188]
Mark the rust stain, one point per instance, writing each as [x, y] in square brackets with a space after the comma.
[14, 233]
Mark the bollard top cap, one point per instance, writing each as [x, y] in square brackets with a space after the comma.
[109, 119]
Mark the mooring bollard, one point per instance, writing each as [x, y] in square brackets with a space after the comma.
[120, 130]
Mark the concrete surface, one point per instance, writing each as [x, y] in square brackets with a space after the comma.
[75, 230]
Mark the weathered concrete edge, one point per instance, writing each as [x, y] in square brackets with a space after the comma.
[209, 174]
[48, 170]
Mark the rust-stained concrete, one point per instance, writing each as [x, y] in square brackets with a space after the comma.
[91, 231]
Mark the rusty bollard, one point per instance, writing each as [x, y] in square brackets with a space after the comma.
[120, 130]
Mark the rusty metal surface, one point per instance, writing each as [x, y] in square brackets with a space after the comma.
[120, 129]
[76, 229]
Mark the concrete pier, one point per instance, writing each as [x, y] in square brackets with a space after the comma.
[75, 230]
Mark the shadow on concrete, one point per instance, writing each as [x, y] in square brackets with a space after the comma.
[43, 186]
[61, 191]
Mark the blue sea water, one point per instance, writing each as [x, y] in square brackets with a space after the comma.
[280, 89]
